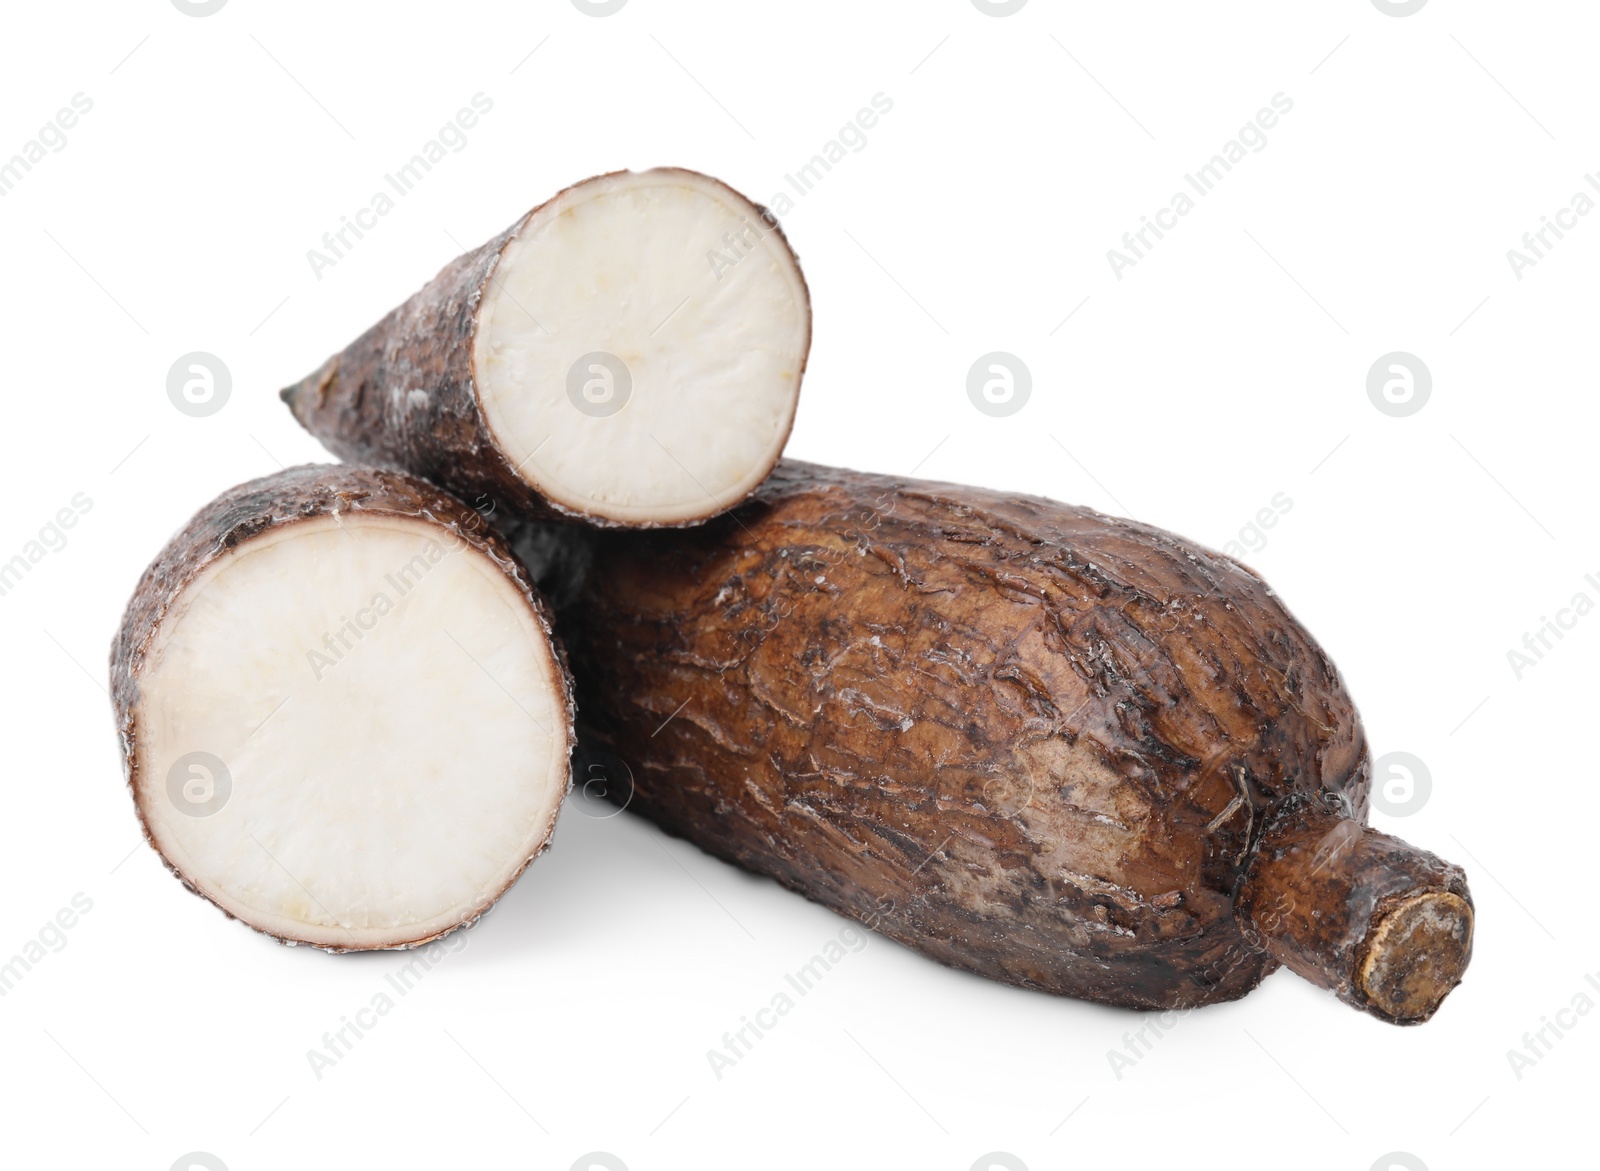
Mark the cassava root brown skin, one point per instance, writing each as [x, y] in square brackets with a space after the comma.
[282, 684]
[1391, 928]
[687, 289]
[1062, 750]
[357, 403]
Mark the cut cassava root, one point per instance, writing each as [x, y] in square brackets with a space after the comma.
[628, 353]
[343, 716]
[1062, 750]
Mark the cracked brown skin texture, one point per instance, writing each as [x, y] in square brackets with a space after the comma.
[1023, 738]
[404, 393]
[249, 510]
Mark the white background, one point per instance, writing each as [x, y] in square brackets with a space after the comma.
[1228, 366]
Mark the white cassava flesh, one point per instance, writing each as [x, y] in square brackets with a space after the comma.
[350, 729]
[628, 353]
[680, 278]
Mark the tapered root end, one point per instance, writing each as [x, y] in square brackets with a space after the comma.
[1385, 926]
[1416, 954]
[308, 394]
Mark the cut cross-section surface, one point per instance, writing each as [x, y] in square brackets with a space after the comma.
[628, 353]
[344, 718]
[659, 381]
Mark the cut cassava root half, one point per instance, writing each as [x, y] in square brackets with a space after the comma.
[343, 716]
[628, 353]
[1062, 750]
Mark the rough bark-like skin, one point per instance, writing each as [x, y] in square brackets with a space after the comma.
[1023, 738]
[404, 395]
[251, 509]
[1349, 878]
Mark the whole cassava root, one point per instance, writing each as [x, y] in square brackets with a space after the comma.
[627, 353]
[1062, 750]
[343, 716]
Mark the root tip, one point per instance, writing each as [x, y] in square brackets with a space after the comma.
[1416, 953]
